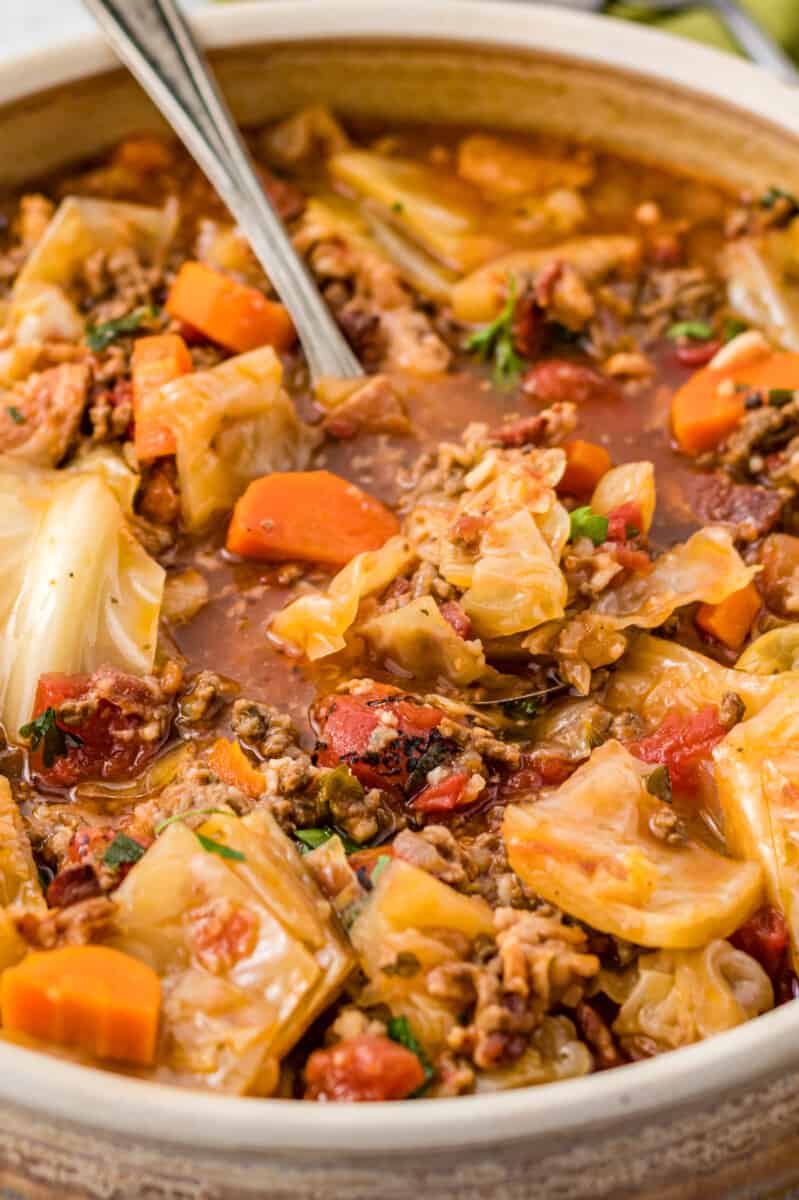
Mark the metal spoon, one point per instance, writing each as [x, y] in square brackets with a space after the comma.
[155, 42]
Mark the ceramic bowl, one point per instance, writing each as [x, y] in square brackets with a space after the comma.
[716, 1119]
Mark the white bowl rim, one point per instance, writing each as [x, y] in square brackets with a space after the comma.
[753, 1053]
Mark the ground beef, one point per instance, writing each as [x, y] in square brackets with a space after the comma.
[88, 920]
[269, 731]
[547, 428]
[159, 498]
[40, 419]
[205, 696]
[436, 851]
[751, 511]
[196, 790]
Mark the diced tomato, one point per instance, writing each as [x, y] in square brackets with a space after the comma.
[454, 615]
[537, 771]
[442, 797]
[362, 1068]
[633, 560]
[696, 354]
[105, 745]
[625, 522]
[558, 379]
[346, 725]
[765, 937]
[683, 744]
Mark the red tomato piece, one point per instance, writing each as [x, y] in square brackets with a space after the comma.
[346, 726]
[454, 615]
[625, 522]
[109, 747]
[683, 744]
[696, 354]
[442, 797]
[369, 1067]
[367, 859]
[765, 937]
[559, 379]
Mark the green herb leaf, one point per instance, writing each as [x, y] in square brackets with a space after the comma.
[44, 731]
[779, 397]
[773, 195]
[16, 416]
[398, 206]
[99, 337]
[399, 1030]
[437, 751]
[585, 523]
[192, 812]
[312, 839]
[220, 848]
[123, 850]
[732, 328]
[696, 331]
[523, 709]
[495, 341]
[658, 783]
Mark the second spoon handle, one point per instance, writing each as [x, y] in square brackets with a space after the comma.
[154, 41]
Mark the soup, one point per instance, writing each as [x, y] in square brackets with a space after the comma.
[421, 735]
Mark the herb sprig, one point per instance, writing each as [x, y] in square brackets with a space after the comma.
[45, 731]
[495, 341]
[99, 337]
[209, 844]
[399, 1030]
[312, 839]
[695, 331]
[123, 850]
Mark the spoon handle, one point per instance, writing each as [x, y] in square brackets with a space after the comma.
[155, 42]
[755, 41]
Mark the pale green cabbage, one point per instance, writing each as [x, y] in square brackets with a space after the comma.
[417, 638]
[77, 591]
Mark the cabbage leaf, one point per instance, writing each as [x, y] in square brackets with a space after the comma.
[315, 624]
[232, 424]
[417, 638]
[77, 590]
[588, 848]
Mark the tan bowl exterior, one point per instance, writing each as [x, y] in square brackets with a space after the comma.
[713, 1120]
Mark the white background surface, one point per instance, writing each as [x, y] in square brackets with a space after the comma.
[29, 24]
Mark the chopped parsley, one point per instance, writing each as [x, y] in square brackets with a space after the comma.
[732, 328]
[123, 850]
[398, 206]
[399, 1030]
[495, 341]
[779, 397]
[45, 731]
[695, 331]
[523, 709]
[585, 523]
[312, 839]
[772, 196]
[16, 416]
[99, 337]
[213, 847]
[658, 783]
[220, 848]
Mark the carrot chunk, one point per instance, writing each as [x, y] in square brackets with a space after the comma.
[156, 360]
[586, 463]
[233, 315]
[313, 516]
[233, 767]
[93, 997]
[708, 407]
[730, 621]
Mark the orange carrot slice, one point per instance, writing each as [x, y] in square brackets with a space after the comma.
[233, 767]
[586, 463]
[156, 360]
[233, 315]
[313, 516]
[730, 620]
[93, 997]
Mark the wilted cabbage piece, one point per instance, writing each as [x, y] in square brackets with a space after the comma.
[315, 624]
[481, 295]
[248, 951]
[417, 638]
[657, 677]
[443, 214]
[589, 847]
[77, 590]
[555, 1052]
[19, 878]
[676, 997]
[506, 167]
[772, 652]
[232, 424]
[40, 303]
[763, 282]
[412, 914]
[757, 772]
[631, 483]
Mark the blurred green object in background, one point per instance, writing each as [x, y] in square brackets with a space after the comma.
[779, 17]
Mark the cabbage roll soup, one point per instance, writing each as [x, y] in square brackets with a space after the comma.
[430, 735]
